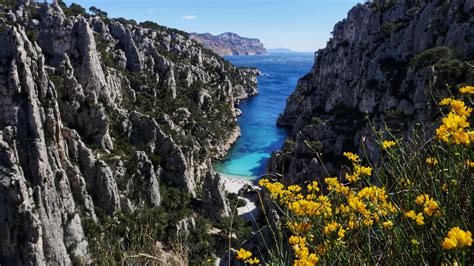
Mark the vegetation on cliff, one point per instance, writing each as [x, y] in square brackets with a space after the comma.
[107, 134]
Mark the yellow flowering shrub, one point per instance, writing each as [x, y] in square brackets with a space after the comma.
[395, 213]
[387, 144]
[457, 238]
[455, 127]
[431, 161]
[467, 90]
[358, 170]
[246, 256]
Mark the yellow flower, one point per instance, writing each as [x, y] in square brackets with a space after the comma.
[352, 224]
[359, 170]
[341, 232]
[449, 243]
[415, 242]
[308, 208]
[445, 187]
[331, 227]
[294, 188]
[421, 199]
[431, 161]
[310, 260]
[469, 164]
[332, 181]
[351, 156]
[467, 90]
[296, 240]
[302, 253]
[419, 219]
[243, 254]
[386, 144]
[387, 224]
[253, 261]
[276, 189]
[351, 178]
[262, 182]
[363, 170]
[430, 205]
[416, 217]
[452, 130]
[457, 238]
[457, 107]
[368, 222]
[313, 186]
[343, 209]
[299, 227]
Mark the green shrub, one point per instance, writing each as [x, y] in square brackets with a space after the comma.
[431, 56]
[155, 26]
[102, 46]
[389, 27]
[57, 80]
[95, 11]
[289, 146]
[32, 35]
[126, 21]
[9, 4]
[73, 10]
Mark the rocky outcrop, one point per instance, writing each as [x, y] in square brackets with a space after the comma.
[143, 185]
[95, 115]
[230, 44]
[382, 67]
[214, 201]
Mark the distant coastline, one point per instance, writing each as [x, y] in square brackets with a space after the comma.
[229, 43]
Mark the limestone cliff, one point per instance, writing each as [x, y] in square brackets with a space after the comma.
[385, 66]
[98, 114]
[230, 44]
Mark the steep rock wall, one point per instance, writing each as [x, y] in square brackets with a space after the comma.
[385, 66]
[95, 115]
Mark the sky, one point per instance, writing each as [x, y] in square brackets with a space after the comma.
[299, 25]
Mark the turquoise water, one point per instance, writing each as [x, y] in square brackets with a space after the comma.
[260, 135]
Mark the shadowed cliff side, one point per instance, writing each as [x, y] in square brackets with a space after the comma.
[385, 66]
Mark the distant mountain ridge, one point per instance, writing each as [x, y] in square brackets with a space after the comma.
[230, 44]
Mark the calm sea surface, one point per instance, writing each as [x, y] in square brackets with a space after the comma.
[260, 135]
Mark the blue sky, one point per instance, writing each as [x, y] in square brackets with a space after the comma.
[301, 25]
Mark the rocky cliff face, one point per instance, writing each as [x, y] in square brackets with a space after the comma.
[230, 44]
[385, 66]
[96, 115]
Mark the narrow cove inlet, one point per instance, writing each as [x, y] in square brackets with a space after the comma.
[260, 135]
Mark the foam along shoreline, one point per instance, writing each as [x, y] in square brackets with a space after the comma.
[232, 184]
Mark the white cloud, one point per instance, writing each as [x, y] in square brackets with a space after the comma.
[189, 17]
[151, 11]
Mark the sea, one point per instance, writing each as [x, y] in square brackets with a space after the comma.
[260, 135]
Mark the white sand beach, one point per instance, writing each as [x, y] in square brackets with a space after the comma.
[233, 184]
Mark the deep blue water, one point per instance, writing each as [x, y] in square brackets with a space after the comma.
[260, 135]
